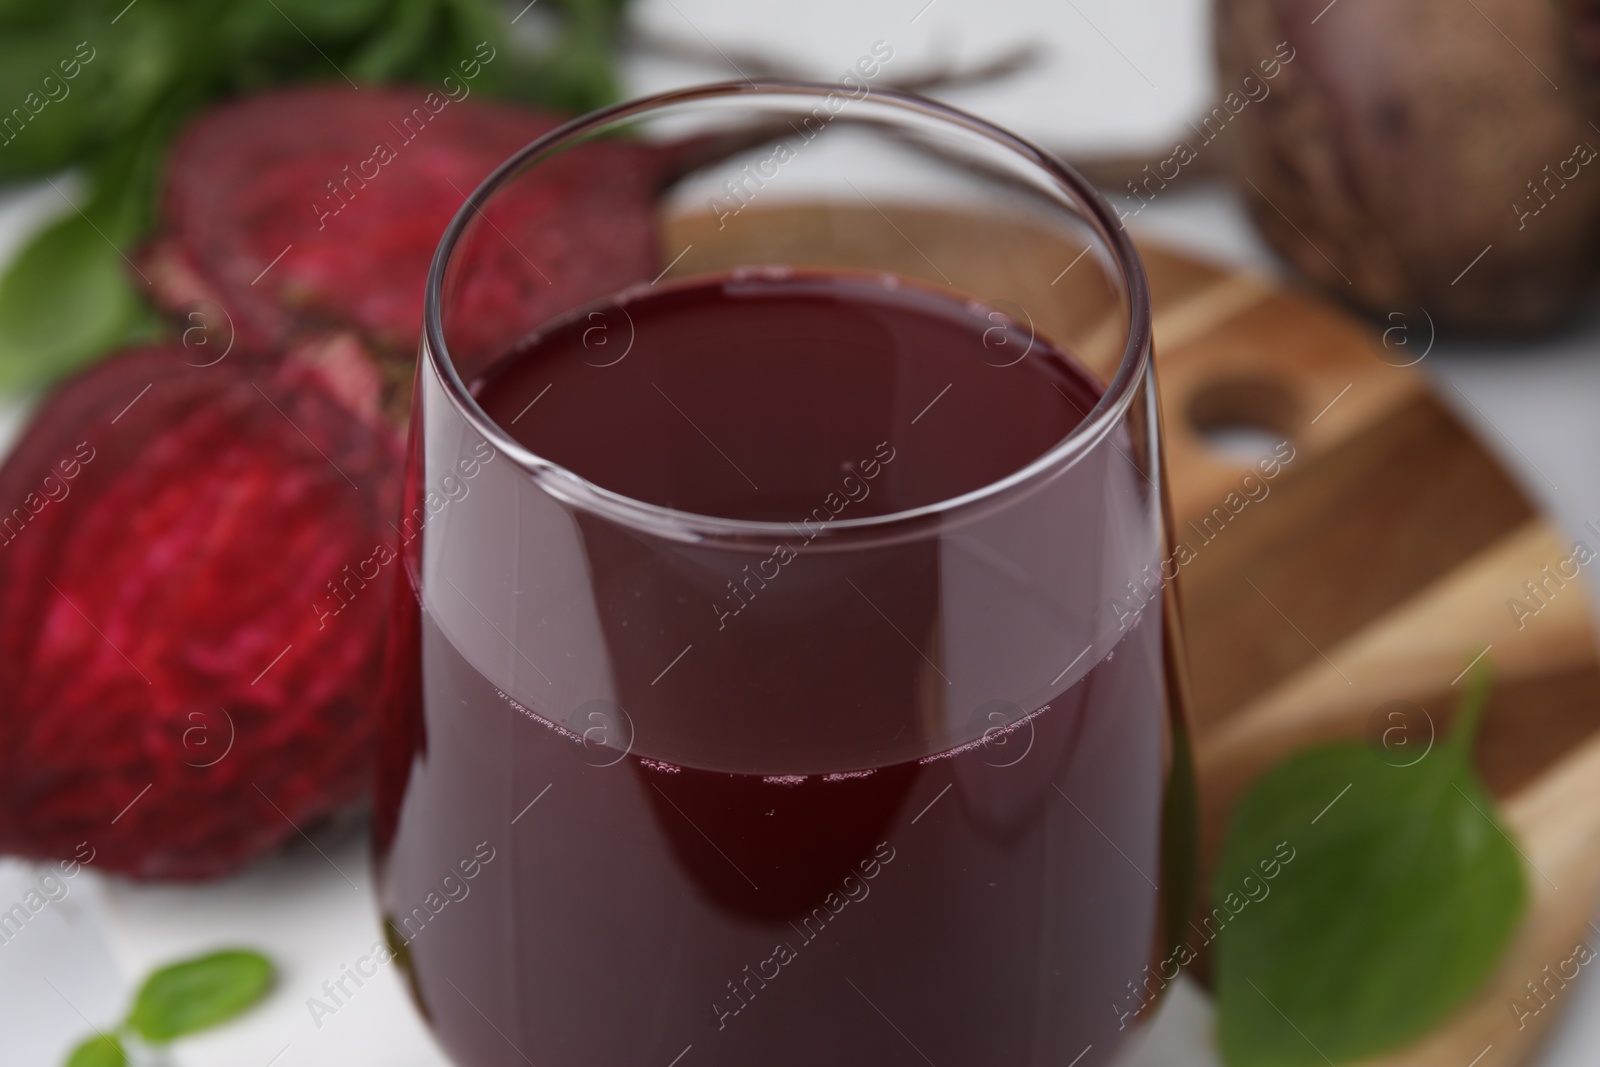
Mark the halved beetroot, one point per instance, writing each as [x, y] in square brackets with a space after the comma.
[191, 609]
[315, 207]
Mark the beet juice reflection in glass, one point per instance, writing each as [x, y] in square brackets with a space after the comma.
[782, 674]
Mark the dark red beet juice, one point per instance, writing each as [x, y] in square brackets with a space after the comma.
[715, 862]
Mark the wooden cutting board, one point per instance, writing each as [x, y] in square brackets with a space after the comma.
[1381, 562]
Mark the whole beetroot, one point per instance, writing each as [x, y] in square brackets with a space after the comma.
[191, 606]
[1424, 153]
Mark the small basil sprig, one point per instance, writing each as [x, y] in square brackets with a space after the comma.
[182, 998]
[1403, 894]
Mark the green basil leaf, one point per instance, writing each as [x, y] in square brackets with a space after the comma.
[64, 301]
[69, 89]
[192, 995]
[71, 295]
[400, 45]
[332, 23]
[48, 119]
[577, 71]
[1400, 898]
[101, 1050]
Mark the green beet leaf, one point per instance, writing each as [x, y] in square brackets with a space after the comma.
[101, 1050]
[403, 43]
[1400, 898]
[192, 995]
[71, 294]
[63, 301]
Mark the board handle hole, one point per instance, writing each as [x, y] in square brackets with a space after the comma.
[1243, 419]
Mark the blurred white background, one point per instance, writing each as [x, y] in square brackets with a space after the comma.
[1116, 75]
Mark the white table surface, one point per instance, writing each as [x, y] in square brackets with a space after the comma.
[1118, 74]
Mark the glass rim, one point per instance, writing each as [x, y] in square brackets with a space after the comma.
[673, 523]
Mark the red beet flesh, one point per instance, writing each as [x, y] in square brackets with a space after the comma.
[183, 689]
[313, 207]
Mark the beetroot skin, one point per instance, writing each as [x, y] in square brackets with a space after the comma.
[191, 624]
[319, 207]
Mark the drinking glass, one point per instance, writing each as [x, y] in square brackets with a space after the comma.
[784, 673]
